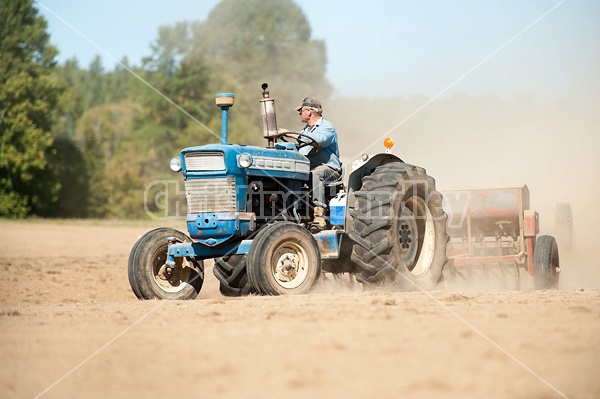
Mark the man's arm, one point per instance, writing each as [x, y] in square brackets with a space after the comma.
[324, 135]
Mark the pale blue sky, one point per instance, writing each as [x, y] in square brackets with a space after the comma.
[386, 47]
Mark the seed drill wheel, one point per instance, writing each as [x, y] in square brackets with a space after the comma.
[546, 265]
[284, 259]
[232, 275]
[399, 228]
[149, 276]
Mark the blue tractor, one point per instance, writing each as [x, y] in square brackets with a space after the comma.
[249, 207]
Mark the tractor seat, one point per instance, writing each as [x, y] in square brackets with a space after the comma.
[337, 185]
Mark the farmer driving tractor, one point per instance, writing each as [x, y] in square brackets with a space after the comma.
[325, 164]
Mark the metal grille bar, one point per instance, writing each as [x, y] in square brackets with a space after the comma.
[210, 195]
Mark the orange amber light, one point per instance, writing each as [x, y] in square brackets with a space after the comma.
[388, 143]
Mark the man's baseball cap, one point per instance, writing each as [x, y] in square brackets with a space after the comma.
[310, 102]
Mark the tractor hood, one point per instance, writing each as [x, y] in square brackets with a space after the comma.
[218, 160]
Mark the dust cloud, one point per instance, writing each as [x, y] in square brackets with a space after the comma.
[469, 142]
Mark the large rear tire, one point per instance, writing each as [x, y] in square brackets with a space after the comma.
[148, 276]
[546, 265]
[233, 276]
[284, 259]
[399, 228]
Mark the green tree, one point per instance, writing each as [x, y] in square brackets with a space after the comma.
[118, 83]
[254, 41]
[69, 163]
[113, 135]
[160, 128]
[71, 168]
[28, 101]
[70, 106]
[95, 84]
[102, 134]
[168, 49]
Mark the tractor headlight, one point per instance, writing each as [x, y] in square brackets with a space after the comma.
[245, 160]
[175, 164]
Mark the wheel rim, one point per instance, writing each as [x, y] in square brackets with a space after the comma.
[289, 265]
[417, 236]
[174, 280]
[409, 237]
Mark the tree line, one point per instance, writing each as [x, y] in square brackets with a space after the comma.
[85, 142]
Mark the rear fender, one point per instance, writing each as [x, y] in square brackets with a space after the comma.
[362, 168]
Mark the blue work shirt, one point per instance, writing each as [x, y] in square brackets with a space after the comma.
[323, 132]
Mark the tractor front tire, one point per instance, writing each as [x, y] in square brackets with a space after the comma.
[233, 276]
[399, 229]
[546, 265]
[148, 275]
[133, 282]
[284, 259]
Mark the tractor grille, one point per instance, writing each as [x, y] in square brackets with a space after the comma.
[204, 161]
[210, 195]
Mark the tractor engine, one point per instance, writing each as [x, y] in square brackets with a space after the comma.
[232, 190]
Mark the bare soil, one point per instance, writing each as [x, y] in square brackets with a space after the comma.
[70, 326]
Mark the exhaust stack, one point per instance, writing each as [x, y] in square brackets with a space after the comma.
[267, 111]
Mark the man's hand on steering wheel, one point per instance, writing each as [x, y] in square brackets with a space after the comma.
[299, 143]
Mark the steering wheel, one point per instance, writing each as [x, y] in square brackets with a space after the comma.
[299, 144]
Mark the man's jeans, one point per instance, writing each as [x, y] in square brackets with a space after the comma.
[319, 175]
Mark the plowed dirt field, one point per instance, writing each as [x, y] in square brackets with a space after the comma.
[70, 327]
